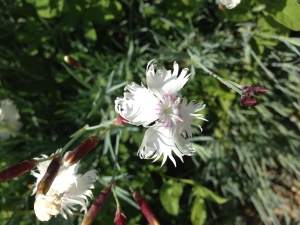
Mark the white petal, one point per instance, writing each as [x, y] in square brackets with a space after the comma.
[73, 190]
[230, 4]
[187, 111]
[163, 82]
[176, 69]
[139, 105]
[8, 119]
[159, 140]
[78, 193]
[9, 110]
[65, 178]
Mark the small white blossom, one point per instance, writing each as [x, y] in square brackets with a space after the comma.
[67, 190]
[230, 4]
[159, 104]
[9, 117]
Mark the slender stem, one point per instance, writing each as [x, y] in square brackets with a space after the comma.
[77, 134]
[103, 124]
[113, 156]
[115, 195]
[209, 72]
[46, 159]
[75, 137]
[236, 87]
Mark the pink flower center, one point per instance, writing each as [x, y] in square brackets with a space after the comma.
[169, 111]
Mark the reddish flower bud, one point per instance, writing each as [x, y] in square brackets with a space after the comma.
[145, 208]
[259, 89]
[120, 218]
[252, 90]
[249, 91]
[247, 88]
[17, 170]
[90, 216]
[81, 150]
[72, 62]
[248, 101]
[50, 175]
[120, 121]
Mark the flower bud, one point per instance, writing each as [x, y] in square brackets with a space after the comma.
[252, 90]
[120, 218]
[145, 208]
[249, 91]
[120, 121]
[72, 62]
[50, 175]
[81, 150]
[17, 170]
[260, 89]
[90, 216]
[248, 101]
[246, 88]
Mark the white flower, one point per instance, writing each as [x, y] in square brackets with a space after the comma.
[169, 117]
[230, 4]
[67, 190]
[9, 116]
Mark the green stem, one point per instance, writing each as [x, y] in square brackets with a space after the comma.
[236, 87]
[77, 134]
[113, 156]
[115, 195]
[46, 159]
[75, 137]
[103, 124]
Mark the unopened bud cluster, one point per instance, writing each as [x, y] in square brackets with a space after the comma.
[248, 94]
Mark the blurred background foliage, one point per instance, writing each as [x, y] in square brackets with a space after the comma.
[246, 170]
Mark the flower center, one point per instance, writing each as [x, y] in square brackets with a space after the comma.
[169, 111]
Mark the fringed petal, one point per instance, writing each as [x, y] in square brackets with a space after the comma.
[138, 105]
[159, 140]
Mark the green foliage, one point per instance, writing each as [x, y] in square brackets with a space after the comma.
[170, 193]
[284, 12]
[247, 159]
[199, 213]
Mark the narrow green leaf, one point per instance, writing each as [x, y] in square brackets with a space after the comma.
[163, 40]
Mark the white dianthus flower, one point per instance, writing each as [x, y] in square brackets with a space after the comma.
[9, 117]
[230, 4]
[159, 104]
[67, 190]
